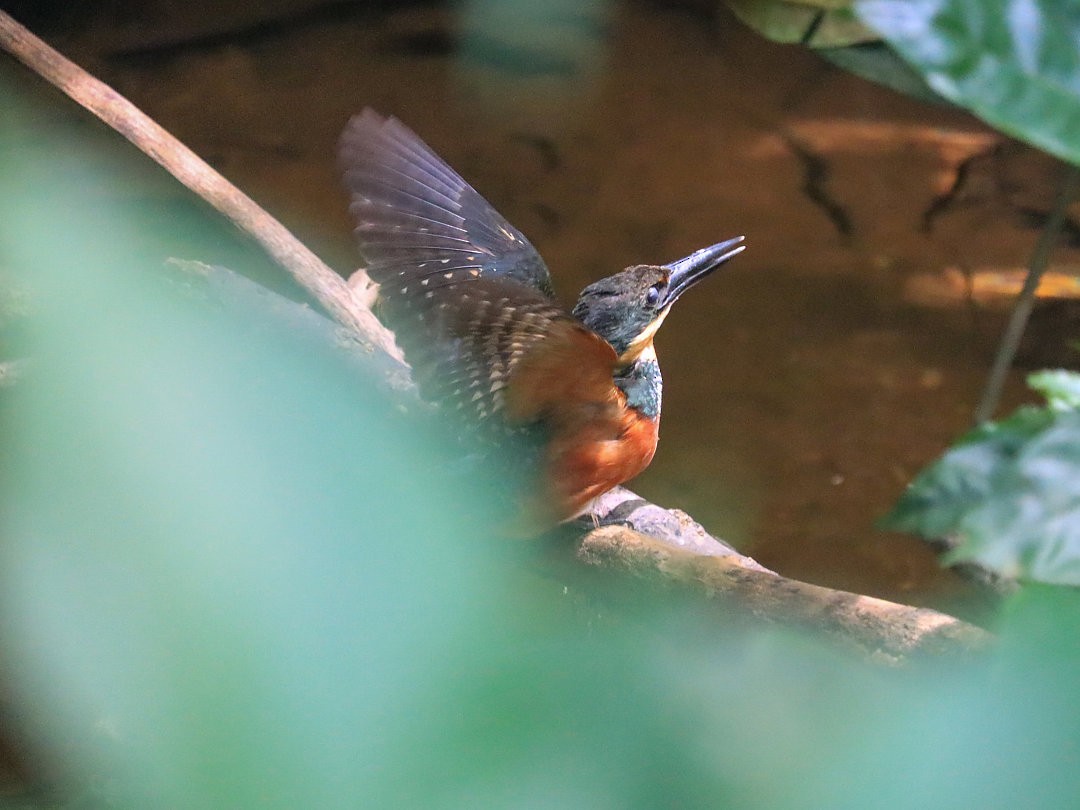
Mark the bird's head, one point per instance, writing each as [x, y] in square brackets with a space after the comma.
[627, 308]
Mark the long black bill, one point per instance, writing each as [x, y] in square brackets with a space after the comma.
[687, 272]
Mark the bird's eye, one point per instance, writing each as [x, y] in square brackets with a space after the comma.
[653, 295]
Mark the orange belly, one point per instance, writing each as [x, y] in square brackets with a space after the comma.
[602, 455]
[594, 441]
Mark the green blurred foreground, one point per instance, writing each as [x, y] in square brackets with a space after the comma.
[233, 577]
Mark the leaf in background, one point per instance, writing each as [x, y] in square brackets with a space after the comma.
[877, 62]
[1013, 63]
[1061, 388]
[831, 28]
[814, 23]
[1008, 495]
[938, 498]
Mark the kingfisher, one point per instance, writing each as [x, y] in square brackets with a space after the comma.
[471, 305]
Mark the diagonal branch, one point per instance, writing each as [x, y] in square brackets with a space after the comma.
[326, 286]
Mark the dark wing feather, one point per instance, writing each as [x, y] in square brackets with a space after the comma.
[468, 345]
[420, 226]
[466, 294]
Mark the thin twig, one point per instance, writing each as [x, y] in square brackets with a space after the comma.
[326, 286]
[1014, 330]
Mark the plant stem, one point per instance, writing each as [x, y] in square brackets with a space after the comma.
[1018, 319]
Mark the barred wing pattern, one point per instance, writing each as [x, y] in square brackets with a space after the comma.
[467, 296]
[419, 224]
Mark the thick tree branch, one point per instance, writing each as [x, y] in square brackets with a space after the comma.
[875, 626]
[635, 536]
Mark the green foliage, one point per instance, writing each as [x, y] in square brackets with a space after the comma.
[1008, 494]
[1061, 388]
[213, 533]
[879, 63]
[1014, 63]
[832, 29]
[814, 23]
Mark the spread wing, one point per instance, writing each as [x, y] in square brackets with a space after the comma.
[466, 294]
[419, 224]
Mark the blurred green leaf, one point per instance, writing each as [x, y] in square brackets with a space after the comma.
[1014, 63]
[1008, 495]
[814, 23]
[999, 735]
[226, 562]
[831, 28]
[879, 63]
[1061, 388]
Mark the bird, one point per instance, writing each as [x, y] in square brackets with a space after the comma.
[471, 305]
